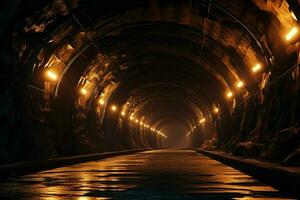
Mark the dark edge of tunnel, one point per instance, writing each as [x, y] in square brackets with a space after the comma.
[284, 180]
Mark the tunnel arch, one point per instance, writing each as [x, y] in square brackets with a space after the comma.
[161, 62]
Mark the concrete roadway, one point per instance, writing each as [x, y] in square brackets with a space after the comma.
[156, 174]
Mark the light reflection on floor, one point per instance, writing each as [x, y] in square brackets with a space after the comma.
[163, 174]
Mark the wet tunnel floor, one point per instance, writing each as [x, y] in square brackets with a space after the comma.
[156, 174]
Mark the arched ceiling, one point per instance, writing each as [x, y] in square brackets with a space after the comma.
[163, 60]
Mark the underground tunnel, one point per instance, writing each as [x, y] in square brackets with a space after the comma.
[149, 99]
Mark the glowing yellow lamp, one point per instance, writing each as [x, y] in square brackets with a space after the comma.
[51, 75]
[292, 33]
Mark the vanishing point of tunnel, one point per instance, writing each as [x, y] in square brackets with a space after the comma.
[149, 99]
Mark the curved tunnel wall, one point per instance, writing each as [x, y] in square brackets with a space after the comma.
[88, 76]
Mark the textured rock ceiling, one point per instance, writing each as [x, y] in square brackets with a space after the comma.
[163, 60]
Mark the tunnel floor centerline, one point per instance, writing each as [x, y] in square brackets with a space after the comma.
[155, 174]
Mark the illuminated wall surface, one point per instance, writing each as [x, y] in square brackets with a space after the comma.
[85, 76]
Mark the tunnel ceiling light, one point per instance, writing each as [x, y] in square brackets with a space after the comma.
[256, 68]
[113, 108]
[123, 113]
[136, 121]
[216, 110]
[51, 75]
[202, 120]
[292, 33]
[141, 123]
[163, 135]
[101, 101]
[83, 91]
[131, 118]
[229, 94]
[240, 84]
